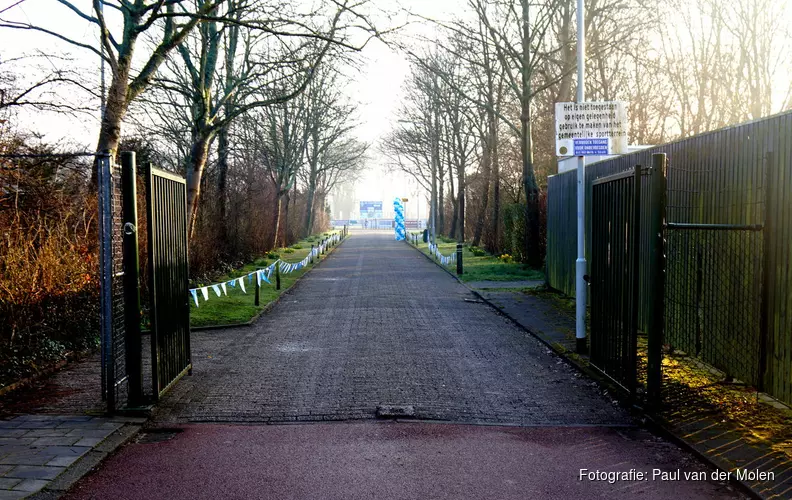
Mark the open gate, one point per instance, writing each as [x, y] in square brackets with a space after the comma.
[166, 208]
[616, 220]
[627, 216]
[123, 381]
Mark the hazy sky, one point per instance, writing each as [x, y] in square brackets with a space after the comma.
[377, 86]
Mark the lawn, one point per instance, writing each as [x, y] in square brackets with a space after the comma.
[238, 306]
[484, 267]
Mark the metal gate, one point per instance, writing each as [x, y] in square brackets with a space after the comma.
[113, 333]
[616, 221]
[627, 234]
[166, 206]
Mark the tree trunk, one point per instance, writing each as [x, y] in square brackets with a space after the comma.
[440, 203]
[454, 218]
[114, 112]
[276, 218]
[309, 207]
[198, 155]
[493, 239]
[533, 254]
[284, 225]
[486, 165]
[461, 202]
[222, 182]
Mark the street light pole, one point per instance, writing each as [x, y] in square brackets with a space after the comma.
[580, 263]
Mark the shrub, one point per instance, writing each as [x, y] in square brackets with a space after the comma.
[505, 258]
[297, 246]
[288, 250]
[273, 255]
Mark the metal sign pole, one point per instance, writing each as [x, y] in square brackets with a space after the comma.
[580, 263]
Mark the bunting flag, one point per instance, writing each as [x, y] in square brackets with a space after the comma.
[242, 284]
[205, 293]
[216, 289]
[264, 275]
[233, 283]
[225, 290]
[194, 294]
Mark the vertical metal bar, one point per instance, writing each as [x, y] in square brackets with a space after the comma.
[767, 244]
[657, 278]
[698, 298]
[635, 282]
[459, 258]
[105, 275]
[152, 224]
[134, 359]
[258, 287]
[277, 276]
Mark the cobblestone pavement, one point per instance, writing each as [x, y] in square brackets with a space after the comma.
[378, 324]
[35, 449]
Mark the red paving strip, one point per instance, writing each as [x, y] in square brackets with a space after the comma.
[381, 460]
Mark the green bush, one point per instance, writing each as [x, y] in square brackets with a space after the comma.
[297, 246]
[273, 255]
[288, 250]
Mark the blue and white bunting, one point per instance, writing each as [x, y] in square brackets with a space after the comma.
[194, 294]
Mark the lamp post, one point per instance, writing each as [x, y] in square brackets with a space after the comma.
[580, 263]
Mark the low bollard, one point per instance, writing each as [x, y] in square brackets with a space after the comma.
[312, 253]
[277, 275]
[459, 258]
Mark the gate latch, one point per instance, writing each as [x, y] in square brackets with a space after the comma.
[129, 229]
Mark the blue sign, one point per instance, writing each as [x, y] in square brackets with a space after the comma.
[370, 209]
[590, 147]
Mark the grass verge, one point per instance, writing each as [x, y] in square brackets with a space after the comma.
[238, 306]
[481, 266]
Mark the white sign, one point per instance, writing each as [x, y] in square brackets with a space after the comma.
[591, 128]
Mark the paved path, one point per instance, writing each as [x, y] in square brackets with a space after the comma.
[378, 324]
[369, 460]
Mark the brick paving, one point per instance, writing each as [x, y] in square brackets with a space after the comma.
[35, 449]
[378, 324]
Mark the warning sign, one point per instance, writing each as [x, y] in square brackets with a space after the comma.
[591, 128]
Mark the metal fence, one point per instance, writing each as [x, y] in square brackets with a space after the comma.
[113, 338]
[728, 288]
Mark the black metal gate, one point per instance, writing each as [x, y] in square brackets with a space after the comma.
[114, 369]
[627, 213]
[616, 221]
[168, 278]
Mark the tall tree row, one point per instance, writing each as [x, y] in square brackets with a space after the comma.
[684, 67]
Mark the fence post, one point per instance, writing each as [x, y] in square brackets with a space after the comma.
[768, 233]
[105, 226]
[656, 277]
[277, 275]
[312, 253]
[459, 258]
[133, 343]
[635, 269]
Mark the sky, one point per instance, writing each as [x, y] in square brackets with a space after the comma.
[376, 86]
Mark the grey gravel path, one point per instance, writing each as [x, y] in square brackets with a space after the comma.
[378, 324]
